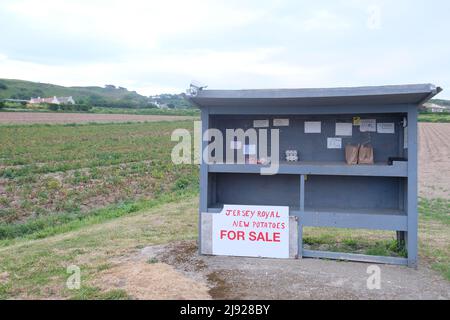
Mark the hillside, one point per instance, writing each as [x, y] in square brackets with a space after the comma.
[108, 96]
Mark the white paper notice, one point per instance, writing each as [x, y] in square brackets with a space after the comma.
[334, 143]
[313, 127]
[235, 145]
[260, 123]
[249, 149]
[280, 122]
[344, 129]
[251, 231]
[388, 127]
[368, 125]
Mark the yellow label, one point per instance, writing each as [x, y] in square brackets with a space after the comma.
[356, 121]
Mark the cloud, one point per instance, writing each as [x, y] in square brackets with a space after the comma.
[151, 46]
[325, 20]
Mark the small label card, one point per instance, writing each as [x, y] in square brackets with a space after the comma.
[260, 123]
[281, 122]
[368, 125]
[387, 127]
[334, 143]
[313, 127]
[356, 121]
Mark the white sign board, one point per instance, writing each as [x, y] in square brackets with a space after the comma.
[334, 143]
[251, 231]
[387, 127]
[368, 125]
[344, 129]
[313, 127]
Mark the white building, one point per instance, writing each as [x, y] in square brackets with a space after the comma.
[431, 107]
[54, 100]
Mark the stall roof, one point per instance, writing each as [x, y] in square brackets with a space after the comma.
[394, 94]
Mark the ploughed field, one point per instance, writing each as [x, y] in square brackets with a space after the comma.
[51, 118]
[72, 169]
[434, 160]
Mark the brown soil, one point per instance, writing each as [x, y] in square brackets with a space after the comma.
[149, 281]
[44, 117]
[434, 160]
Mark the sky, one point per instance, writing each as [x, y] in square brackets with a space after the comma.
[158, 47]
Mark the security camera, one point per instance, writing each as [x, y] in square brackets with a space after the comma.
[195, 87]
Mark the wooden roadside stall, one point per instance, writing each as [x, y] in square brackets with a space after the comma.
[275, 161]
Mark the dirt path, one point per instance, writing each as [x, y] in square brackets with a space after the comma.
[53, 118]
[434, 160]
[253, 278]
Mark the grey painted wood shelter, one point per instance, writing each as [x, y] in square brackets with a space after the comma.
[321, 189]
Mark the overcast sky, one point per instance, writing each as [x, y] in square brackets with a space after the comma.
[160, 46]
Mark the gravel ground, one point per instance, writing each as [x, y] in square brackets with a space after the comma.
[254, 278]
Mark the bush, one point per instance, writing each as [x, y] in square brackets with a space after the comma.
[3, 86]
[2, 104]
[53, 107]
[68, 107]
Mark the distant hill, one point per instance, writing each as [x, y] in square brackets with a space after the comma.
[108, 96]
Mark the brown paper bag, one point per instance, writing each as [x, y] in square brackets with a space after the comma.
[365, 155]
[351, 153]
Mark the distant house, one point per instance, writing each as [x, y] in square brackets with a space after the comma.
[435, 108]
[159, 105]
[54, 100]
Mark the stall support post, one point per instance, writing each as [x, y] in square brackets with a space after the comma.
[299, 217]
[203, 205]
[411, 239]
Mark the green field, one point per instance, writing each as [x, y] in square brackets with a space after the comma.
[51, 173]
[434, 117]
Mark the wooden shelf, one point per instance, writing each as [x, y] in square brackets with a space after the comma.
[398, 169]
[375, 219]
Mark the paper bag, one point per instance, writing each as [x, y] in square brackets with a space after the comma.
[351, 153]
[365, 155]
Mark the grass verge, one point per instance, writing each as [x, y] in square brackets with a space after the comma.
[434, 117]
[434, 238]
[37, 268]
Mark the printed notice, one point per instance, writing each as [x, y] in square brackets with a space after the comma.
[344, 129]
[260, 123]
[334, 143]
[249, 149]
[251, 231]
[386, 127]
[368, 125]
[313, 127]
[281, 122]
